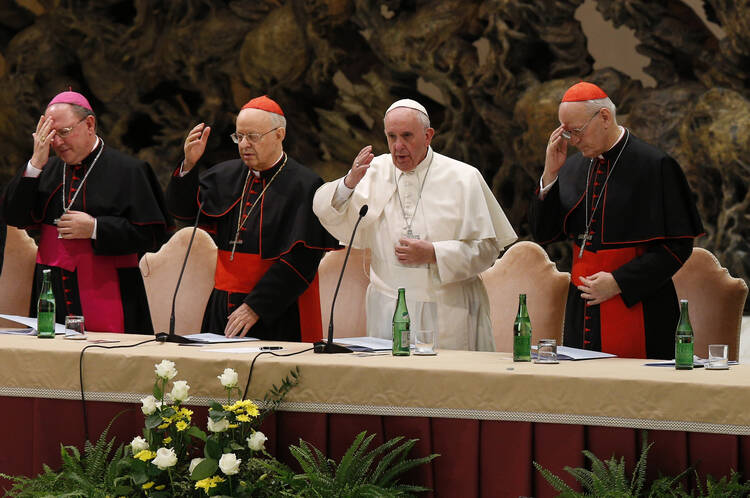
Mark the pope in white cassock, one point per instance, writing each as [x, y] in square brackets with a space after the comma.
[432, 226]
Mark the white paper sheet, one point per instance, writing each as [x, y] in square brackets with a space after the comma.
[30, 322]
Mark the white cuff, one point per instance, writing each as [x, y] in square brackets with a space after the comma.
[31, 171]
[182, 173]
[543, 190]
[93, 234]
[341, 195]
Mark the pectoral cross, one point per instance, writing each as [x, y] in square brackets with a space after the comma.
[237, 241]
[584, 237]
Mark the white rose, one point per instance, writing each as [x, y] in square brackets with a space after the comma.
[219, 426]
[257, 441]
[180, 390]
[138, 444]
[228, 378]
[165, 370]
[229, 464]
[193, 464]
[165, 458]
[150, 404]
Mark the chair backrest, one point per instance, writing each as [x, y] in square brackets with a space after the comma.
[350, 318]
[716, 300]
[17, 277]
[160, 272]
[525, 268]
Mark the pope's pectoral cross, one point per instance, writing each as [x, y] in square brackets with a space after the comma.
[584, 237]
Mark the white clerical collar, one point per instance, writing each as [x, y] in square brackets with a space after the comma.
[256, 173]
[421, 167]
[622, 134]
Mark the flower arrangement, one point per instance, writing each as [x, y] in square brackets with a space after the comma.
[166, 462]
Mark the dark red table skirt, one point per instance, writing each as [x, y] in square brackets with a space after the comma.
[478, 458]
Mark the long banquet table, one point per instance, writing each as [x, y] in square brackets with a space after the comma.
[487, 417]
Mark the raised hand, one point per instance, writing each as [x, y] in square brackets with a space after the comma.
[42, 141]
[359, 166]
[557, 152]
[195, 145]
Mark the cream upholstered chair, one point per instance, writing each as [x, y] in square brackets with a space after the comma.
[349, 319]
[716, 300]
[161, 270]
[525, 268]
[17, 277]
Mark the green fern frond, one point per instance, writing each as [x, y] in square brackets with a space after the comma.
[553, 480]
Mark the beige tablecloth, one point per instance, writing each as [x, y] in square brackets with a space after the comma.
[458, 384]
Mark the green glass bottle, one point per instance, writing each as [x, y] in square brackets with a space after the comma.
[522, 332]
[683, 344]
[45, 310]
[401, 326]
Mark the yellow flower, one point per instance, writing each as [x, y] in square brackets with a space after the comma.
[145, 455]
[181, 426]
[163, 426]
[185, 413]
[233, 426]
[167, 440]
[230, 408]
[243, 418]
[160, 487]
[148, 485]
[208, 482]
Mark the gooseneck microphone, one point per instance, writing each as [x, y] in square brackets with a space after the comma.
[171, 336]
[329, 346]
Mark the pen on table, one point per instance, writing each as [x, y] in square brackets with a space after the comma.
[270, 348]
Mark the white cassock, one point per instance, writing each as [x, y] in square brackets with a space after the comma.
[456, 211]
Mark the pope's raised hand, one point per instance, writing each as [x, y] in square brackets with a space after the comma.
[359, 166]
[195, 145]
[43, 137]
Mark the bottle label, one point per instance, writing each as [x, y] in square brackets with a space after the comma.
[401, 338]
[522, 348]
[684, 353]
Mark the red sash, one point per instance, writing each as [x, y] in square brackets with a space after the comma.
[242, 274]
[622, 329]
[98, 282]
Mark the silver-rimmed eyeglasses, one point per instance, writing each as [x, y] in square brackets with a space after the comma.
[64, 132]
[578, 132]
[253, 137]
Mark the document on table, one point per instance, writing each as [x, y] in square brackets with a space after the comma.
[209, 338]
[575, 354]
[365, 343]
[29, 322]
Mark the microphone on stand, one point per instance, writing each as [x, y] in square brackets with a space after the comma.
[171, 336]
[330, 346]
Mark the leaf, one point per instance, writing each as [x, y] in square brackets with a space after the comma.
[157, 392]
[206, 468]
[196, 432]
[154, 420]
[212, 449]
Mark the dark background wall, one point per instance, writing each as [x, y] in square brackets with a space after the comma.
[491, 74]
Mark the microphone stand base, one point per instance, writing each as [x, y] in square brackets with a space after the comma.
[164, 337]
[330, 347]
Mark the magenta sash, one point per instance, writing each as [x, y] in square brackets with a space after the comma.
[98, 282]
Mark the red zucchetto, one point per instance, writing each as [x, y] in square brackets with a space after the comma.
[71, 97]
[583, 91]
[264, 104]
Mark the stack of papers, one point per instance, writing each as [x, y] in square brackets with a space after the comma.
[366, 344]
[209, 338]
[568, 353]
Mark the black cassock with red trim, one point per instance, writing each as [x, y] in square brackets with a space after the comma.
[642, 231]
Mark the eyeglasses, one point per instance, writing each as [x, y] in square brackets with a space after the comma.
[253, 137]
[578, 132]
[64, 132]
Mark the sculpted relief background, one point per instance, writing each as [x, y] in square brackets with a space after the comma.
[491, 74]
